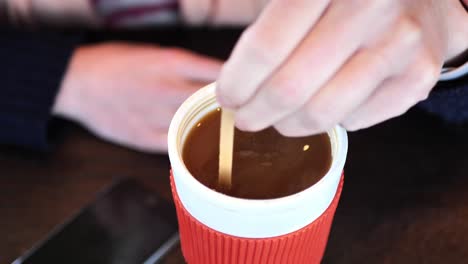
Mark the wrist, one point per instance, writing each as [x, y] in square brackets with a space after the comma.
[67, 99]
[457, 27]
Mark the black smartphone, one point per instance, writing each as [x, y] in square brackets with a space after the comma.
[127, 223]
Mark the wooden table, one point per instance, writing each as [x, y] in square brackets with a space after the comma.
[405, 198]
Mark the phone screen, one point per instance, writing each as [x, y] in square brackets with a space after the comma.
[126, 224]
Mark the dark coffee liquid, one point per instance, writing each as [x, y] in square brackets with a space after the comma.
[265, 165]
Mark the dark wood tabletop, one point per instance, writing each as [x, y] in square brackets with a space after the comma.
[405, 198]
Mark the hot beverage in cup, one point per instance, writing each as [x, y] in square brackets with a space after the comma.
[266, 164]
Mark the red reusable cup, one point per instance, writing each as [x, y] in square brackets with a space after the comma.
[219, 229]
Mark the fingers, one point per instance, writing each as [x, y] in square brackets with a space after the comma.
[152, 142]
[238, 12]
[354, 83]
[264, 46]
[319, 57]
[129, 130]
[194, 66]
[156, 142]
[195, 12]
[395, 96]
[175, 90]
[160, 118]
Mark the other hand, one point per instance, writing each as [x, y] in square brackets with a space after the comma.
[128, 94]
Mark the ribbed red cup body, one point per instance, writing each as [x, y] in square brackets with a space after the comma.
[203, 245]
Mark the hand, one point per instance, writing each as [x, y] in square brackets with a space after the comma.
[51, 12]
[328, 62]
[128, 94]
[221, 12]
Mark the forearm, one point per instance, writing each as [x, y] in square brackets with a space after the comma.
[32, 66]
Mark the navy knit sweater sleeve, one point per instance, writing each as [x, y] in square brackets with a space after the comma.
[32, 65]
[449, 100]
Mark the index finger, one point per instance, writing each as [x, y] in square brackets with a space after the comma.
[264, 46]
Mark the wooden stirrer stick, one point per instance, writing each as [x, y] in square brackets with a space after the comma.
[226, 148]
